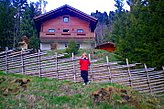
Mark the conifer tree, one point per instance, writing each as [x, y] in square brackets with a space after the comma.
[7, 12]
[139, 36]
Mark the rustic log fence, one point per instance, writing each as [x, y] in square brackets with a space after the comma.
[137, 75]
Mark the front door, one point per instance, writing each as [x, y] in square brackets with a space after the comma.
[53, 46]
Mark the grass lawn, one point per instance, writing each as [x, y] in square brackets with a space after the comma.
[26, 92]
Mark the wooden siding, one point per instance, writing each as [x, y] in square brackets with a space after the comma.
[74, 35]
[73, 24]
[50, 27]
[65, 10]
[109, 46]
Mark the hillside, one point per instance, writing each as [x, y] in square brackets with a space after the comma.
[19, 92]
[95, 53]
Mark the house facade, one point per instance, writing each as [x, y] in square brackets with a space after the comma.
[58, 27]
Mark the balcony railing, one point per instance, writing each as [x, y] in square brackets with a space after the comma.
[67, 34]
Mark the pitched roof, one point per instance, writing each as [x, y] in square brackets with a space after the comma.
[42, 16]
[66, 9]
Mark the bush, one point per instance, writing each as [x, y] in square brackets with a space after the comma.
[34, 42]
[72, 48]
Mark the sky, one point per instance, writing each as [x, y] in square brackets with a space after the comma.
[86, 6]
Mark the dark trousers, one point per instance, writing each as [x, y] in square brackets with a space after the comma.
[84, 75]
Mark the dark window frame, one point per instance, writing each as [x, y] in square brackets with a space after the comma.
[66, 45]
[78, 45]
[66, 30]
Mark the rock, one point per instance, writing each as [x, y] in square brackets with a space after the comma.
[109, 89]
[125, 97]
[123, 91]
[25, 80]
[7, 91]
[22, 81]
[2, 80]
[103, 94]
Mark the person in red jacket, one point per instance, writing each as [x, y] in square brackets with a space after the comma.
[84, 64]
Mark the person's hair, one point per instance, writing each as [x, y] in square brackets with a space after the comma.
[85, 54]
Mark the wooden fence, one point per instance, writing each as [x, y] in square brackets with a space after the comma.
[137, 75]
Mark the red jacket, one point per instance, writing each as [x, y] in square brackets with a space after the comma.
[84, 63]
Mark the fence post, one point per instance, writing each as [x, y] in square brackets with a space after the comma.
[110, 75]
[6, 59]
[39, 60]
[74, 71]
[129, 73]
[92, 79]
[57, 65]
[148, 79]
[22, 61]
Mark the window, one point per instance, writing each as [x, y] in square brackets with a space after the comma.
[65, 30]
[78, 45]
[65, 19]
[80, 30]
[66, 45]
[51, 30]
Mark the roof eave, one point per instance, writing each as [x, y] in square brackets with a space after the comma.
[43, 16]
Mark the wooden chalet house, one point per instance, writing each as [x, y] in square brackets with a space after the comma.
[58, 27]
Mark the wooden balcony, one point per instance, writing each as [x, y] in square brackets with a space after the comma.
[62, 37]
[66, 35]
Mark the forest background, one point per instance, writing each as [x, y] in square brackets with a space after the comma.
[137, 33]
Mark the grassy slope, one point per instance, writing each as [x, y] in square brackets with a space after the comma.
[50, 93]
[95, 53]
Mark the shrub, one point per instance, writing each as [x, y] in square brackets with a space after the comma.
[34, 43]
[72, 48]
